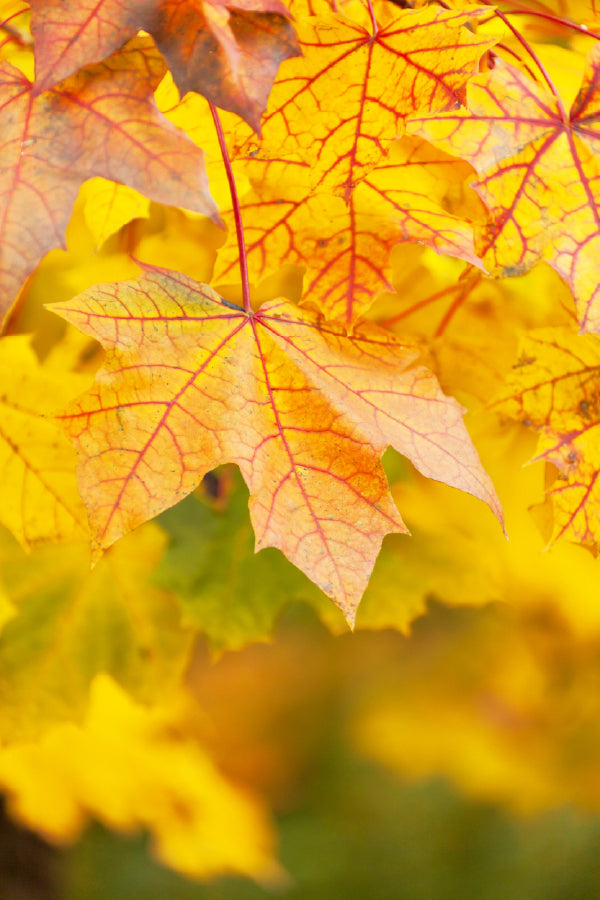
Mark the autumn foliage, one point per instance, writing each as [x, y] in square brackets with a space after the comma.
[287, 239]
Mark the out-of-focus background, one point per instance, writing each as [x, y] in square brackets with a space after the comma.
[461, 762]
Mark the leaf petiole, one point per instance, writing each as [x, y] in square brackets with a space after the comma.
[237, 214]
[558, 20]
[374, 21]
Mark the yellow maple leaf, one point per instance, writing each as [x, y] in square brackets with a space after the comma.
[554, 388]
[383, 75]
[416, 194]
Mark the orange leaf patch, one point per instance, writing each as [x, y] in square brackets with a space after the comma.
[342, 104]
[303, 409]
[346, 246]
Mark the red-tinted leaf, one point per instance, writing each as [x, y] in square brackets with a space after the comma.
[102, 121]
[228, 50]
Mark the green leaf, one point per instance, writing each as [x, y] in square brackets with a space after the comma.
[230, 593]
[72, 624]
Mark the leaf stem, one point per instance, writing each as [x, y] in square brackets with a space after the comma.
[374, 21]
[558, 20]
[237, 213]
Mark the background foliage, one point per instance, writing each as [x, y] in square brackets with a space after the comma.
[192, 719]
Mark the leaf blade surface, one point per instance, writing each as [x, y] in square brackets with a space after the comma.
[305, 411]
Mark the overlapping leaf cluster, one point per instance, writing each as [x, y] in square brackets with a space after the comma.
[305, 408]
[394, 168]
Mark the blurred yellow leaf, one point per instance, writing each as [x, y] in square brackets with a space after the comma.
[505, 705]
[37, 464]
[129, 768]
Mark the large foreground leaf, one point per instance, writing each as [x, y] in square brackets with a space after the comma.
[305, 410]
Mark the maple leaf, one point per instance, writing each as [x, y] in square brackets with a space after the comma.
[420, 60]
[555, 389]
[539, 175]
[101, 121]
[305, 411]
[346, 246]
[228, 50]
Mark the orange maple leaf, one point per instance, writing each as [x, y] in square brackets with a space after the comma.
[191, 382]
[228, 50]
[341, 105]
[101, 121]
[539, 175]
[346, 246]
[555, 389]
